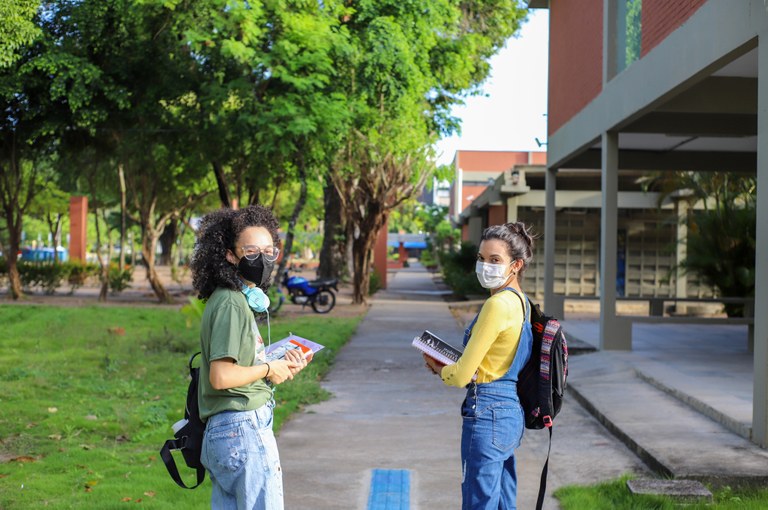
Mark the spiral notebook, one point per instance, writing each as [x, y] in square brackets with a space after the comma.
[436, 348]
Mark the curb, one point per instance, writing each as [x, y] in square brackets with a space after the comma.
[697, 405]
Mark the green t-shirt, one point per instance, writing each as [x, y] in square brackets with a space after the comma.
[229, 330]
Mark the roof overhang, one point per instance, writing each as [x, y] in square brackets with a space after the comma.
[538, 4]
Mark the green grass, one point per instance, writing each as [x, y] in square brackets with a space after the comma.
[615, 495]
[88, 396]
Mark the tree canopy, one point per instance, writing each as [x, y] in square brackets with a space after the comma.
[158, 106]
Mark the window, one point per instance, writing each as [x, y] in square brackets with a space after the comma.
[628, 32]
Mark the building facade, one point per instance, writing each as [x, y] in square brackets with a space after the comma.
[658, 85]
[474, 171]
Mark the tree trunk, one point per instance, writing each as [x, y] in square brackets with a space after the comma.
[14, 242]
[168, 242]
[253, 191]
[104, 276]
[362, 249]
[362, 252]
[221, 182]
[53, 228]
[332, 251]
[348, 260]
[292, 222]
[123, 214]
[148, 247]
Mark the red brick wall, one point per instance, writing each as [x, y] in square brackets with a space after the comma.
[662, 17]
[498, 161]
[538, 158]
[78, 231]
[575, 57]
[468, 191]
[497, 215]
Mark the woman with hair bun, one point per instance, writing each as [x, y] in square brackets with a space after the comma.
[497, 345]
[231, 267]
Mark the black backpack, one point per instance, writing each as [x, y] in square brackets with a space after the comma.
[542, 381]
[189, 437]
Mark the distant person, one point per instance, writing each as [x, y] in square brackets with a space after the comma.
[231, 267]
[497, 345]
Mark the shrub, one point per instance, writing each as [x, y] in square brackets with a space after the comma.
[459, 270]
[79, 272]
[427, 259]
[374, 283]
[45, 275]
[119, 280]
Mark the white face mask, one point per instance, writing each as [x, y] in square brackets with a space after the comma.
[491, 276]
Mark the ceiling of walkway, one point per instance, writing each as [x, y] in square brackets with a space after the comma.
[709, 125]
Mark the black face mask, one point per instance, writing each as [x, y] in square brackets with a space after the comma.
[256, 271]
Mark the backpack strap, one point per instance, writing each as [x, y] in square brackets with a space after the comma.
[170, 463]
[525, 302]
[544, 472]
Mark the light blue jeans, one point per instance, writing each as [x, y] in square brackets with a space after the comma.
[240, 454]
[492, 430]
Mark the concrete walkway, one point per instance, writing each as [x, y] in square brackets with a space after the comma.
[681, 399]
[389, 412]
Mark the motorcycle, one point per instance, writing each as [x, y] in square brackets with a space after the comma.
[319, 294]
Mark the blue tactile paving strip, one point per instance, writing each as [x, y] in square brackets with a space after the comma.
[390, 490]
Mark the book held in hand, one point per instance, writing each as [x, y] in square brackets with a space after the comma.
[278, 349]
[436, 348]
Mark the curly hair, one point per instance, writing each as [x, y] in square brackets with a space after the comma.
[218, 233]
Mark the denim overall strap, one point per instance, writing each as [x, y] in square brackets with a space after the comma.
[468, 331]
[525, 343]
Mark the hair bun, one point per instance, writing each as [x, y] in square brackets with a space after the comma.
[519, 228]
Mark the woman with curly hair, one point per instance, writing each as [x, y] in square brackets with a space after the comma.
[231, 268]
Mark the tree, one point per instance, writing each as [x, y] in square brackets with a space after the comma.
[333, 250]
[721, 241]
[269, 67]
[17, 28]
[412, 61]
[51, 204]
[142, 79]
[35, 83]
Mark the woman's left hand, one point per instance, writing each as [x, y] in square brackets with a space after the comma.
[297, 357]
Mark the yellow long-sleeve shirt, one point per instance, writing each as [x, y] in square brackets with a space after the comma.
[493, 343]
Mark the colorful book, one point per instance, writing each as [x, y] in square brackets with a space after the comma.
[278, 349]
[436, 348]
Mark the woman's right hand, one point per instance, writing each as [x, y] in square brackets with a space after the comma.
[281, 370]
[432, 364]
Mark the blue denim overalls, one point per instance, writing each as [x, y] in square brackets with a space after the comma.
[491, 430]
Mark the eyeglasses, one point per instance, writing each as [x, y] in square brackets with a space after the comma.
[252, 252]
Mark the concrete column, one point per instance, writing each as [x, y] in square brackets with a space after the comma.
[760, 391]
[681, 280]
[475, 229]
[550, 184]
[380, 255]
[458, 195]
[609, 40]
[612, 336]
[78, 223]
[512, 209]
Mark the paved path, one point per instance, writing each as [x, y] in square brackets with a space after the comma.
[389, 412]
